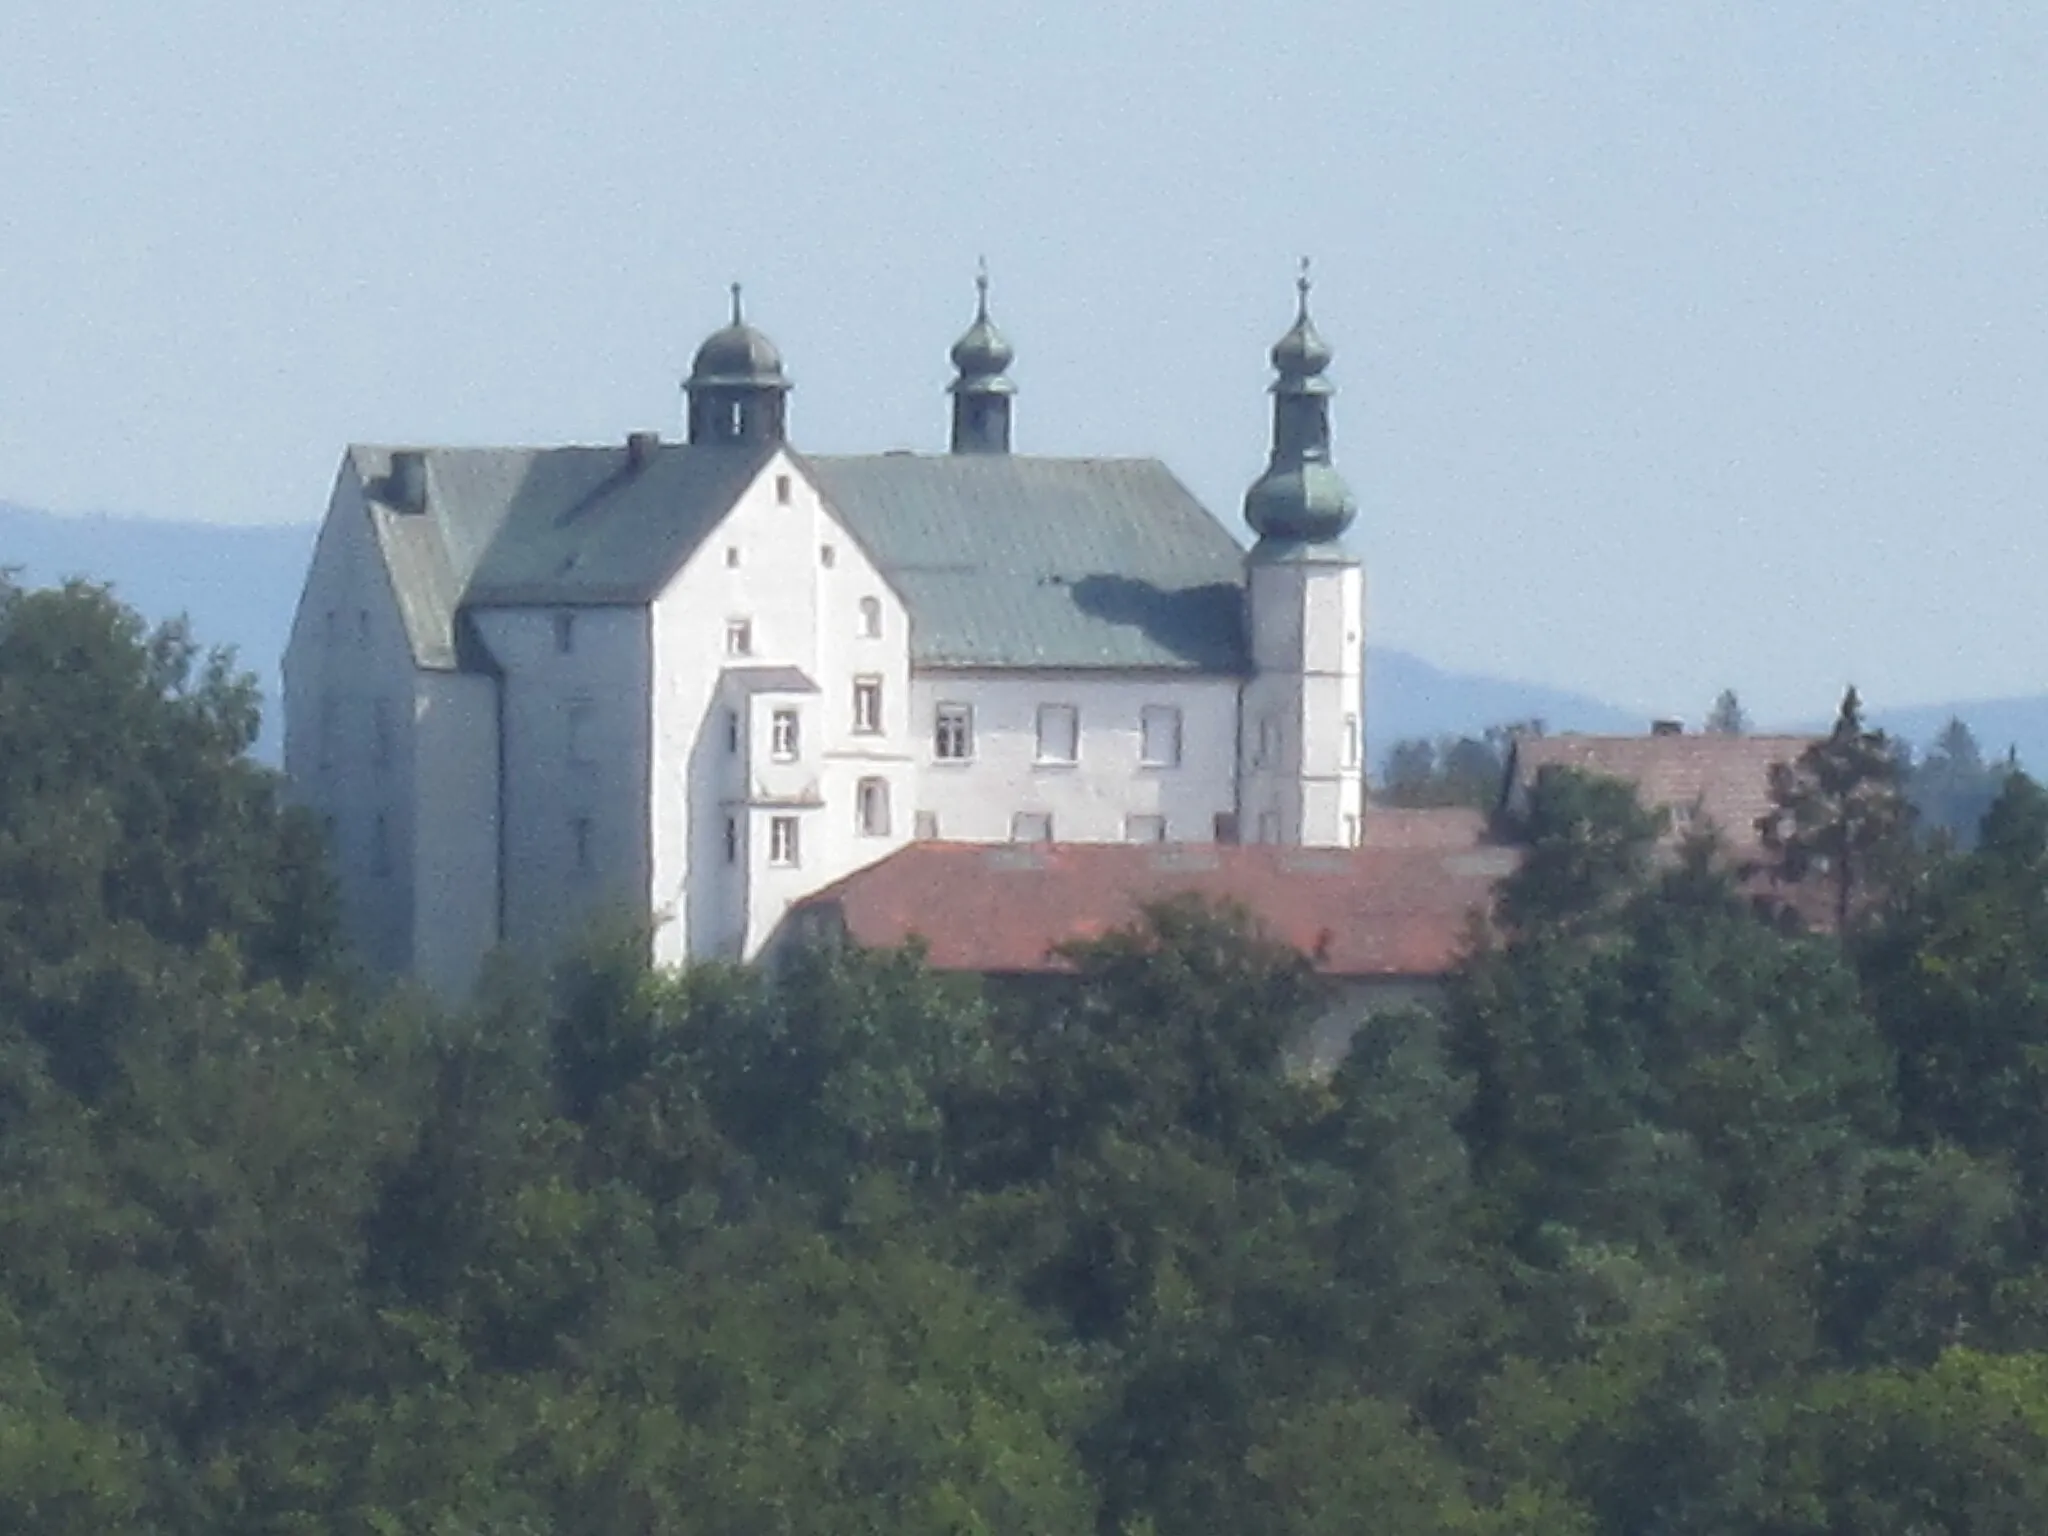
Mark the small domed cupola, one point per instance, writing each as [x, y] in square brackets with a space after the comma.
[1300, 499]
[737, 390]
[981, 393]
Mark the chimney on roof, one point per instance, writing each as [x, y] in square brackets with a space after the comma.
[1667, 727]
[405, 488]
[641, 446]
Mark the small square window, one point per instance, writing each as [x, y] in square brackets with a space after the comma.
[1224, 826]
[783, 490]
[871, 808]
[1059, 733]
[782, 841]
[953, 733]
[1144, 829]
[565, 633]
[784, 743]
[871, 618]
[732, 556]
[867, 705]
[1031, 827]
[827, 556]
[739, 637]
[1159, 736]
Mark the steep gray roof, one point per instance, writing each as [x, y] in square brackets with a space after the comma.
[1003, 562]
[1025, 562]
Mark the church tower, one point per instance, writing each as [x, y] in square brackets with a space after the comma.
[1301, 775]
[982, 392]
[736, 388]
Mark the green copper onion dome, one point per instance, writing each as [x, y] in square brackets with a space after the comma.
[737, 355]
[982, 354]
[1300, 499]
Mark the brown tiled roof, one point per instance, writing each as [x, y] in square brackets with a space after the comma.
[1722, 780]
[1377, 911]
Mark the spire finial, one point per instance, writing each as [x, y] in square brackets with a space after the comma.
[736, 320]
[1302, 284]
[981, 287]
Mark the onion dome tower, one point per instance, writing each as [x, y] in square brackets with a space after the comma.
[736, 388]
[1301, 767]
[982, 391]
[1300, 499]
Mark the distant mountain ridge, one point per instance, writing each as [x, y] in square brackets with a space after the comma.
[239, 586]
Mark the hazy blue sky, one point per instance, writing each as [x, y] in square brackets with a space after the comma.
[1680, 345]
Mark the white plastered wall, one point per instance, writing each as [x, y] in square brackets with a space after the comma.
[1090, 798]
[1302, 768]
[573, 717]
[455, 849]
[783, 563]
[349, 690]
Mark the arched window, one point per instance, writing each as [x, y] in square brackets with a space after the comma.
[871, 618]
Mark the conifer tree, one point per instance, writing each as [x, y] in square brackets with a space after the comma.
[1839, 814]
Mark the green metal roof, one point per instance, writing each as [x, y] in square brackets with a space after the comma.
[1006, 561]
[1003, 562]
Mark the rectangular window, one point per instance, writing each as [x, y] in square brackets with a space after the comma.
[782, 490]
[1031, 827]
[732, 839]
[1351, 743]
[783, 740]
[782, 841]
[1159, 736]
[1269, 744]
[926, 826]
[871, 808]
[953, 733]
[871, 618]
[581, 713]
[1059, 733]
[732, 556]
[739, 637]
[827, 556]
[380, 732]
[1144, 829]
[1224, 826]
[867, 705]
[565, 633]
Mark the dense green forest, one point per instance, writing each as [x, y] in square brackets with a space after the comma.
[1677, 1218]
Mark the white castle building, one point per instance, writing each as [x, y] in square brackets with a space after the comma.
[698, 681]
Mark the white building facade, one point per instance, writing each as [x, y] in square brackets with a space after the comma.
[691, 683]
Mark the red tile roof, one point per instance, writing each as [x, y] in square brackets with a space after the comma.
[1724, 780]
[1389, 909]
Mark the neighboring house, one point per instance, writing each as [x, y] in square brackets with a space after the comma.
[1703, 781]
[1383, 922]
[696, 682]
